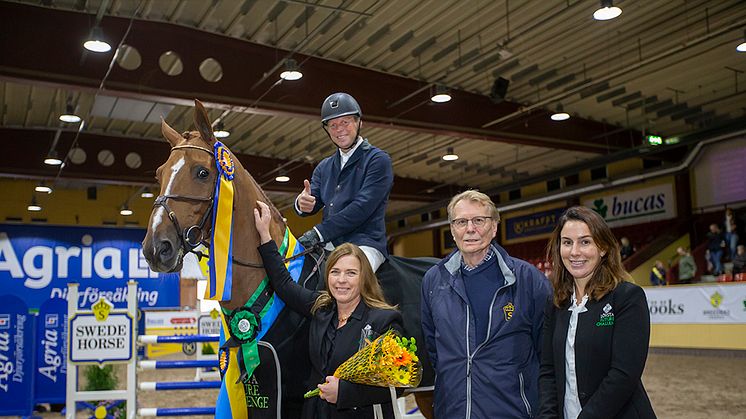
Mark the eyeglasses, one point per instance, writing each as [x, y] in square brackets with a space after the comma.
[477, 222]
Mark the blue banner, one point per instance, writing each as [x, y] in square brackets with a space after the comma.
[51, 352]
[536, 224]
[37, 262]
[16, 357]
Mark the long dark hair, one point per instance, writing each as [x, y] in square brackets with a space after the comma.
[608, 274]
[370, 290]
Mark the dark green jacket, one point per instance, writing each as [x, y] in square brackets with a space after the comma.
[687, 267]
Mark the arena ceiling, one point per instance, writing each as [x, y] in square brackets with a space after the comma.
[663, 67]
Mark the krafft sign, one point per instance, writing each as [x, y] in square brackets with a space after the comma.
[635, 206]
[37, 262]
[531, 226]
[101, 336]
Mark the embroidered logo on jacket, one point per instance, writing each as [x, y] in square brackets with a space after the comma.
[607, 317]
[508, 310]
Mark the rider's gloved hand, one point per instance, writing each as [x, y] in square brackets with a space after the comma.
[309, 239]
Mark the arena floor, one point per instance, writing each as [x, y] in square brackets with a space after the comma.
[680, 387]
[696, 387]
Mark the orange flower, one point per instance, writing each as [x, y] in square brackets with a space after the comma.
[387, 361]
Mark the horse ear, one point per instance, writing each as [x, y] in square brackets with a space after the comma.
[170, 134]
[202, 122]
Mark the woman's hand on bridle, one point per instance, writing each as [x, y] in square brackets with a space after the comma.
[262, 219]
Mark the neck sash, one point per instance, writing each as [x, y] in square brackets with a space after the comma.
[221, 245]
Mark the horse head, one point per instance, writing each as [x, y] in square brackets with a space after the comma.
[182, 214]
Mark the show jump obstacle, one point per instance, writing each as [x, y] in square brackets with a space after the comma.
[97, 336]
[104, 335]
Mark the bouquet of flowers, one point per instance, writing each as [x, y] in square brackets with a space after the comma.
[389, 361]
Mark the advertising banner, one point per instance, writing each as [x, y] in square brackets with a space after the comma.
[169, 323]
[724, 304]
[51, 352]
[37, 262]
[636, 206]
[531, 226]
[101, 335]
[209, 324]
[16, 357]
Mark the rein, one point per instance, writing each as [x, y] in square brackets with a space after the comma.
[193, 236]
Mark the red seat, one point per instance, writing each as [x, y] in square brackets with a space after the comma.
[725, 278]
[740, 277]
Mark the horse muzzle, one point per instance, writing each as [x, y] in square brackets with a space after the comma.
[163, 254]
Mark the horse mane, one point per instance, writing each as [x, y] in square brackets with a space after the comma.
[276, 214]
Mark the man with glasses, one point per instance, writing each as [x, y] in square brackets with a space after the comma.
[352, 185]
[482, 317]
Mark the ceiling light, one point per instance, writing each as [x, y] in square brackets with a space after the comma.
[52, 159]
[742, 46]
[283, 178]
[220, 131]
[69, 114]
[125, 211]
[33, 206]
[96, 42]
[43, 188]
[147, 193]
[607, 11]
[450, 155]
[292, 72]
[441, 95]
[560, 115]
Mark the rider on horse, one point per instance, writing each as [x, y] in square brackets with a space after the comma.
[352, 185]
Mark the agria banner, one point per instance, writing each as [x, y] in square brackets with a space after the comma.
[37, 262]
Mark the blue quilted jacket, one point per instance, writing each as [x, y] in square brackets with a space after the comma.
[496, 378]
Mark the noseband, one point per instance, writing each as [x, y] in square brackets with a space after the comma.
[192, 236]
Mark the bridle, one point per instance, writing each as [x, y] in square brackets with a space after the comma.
[193, 236]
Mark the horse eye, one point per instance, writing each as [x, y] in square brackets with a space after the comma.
[203, 173]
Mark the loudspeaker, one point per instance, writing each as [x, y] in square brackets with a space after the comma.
[91, 192]
[499, 89]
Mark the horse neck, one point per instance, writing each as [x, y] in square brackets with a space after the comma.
[246, 238]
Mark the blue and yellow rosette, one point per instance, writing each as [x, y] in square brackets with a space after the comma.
[221, 245]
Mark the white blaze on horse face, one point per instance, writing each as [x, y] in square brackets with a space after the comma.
[158, 216]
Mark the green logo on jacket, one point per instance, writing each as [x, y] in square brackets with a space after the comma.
[607, 317]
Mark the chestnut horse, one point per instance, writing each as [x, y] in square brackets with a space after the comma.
[183, 218]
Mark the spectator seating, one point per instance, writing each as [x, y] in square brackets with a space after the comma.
[725, 278]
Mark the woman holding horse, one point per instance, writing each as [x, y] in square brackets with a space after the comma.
[352, 304]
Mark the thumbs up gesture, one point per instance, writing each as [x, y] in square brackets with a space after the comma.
[306, 201]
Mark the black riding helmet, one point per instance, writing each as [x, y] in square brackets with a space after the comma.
[338, 105]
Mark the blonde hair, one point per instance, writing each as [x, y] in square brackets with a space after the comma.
[477, 197]
[370, 290]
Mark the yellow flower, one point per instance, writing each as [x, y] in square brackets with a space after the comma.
[386, 361]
